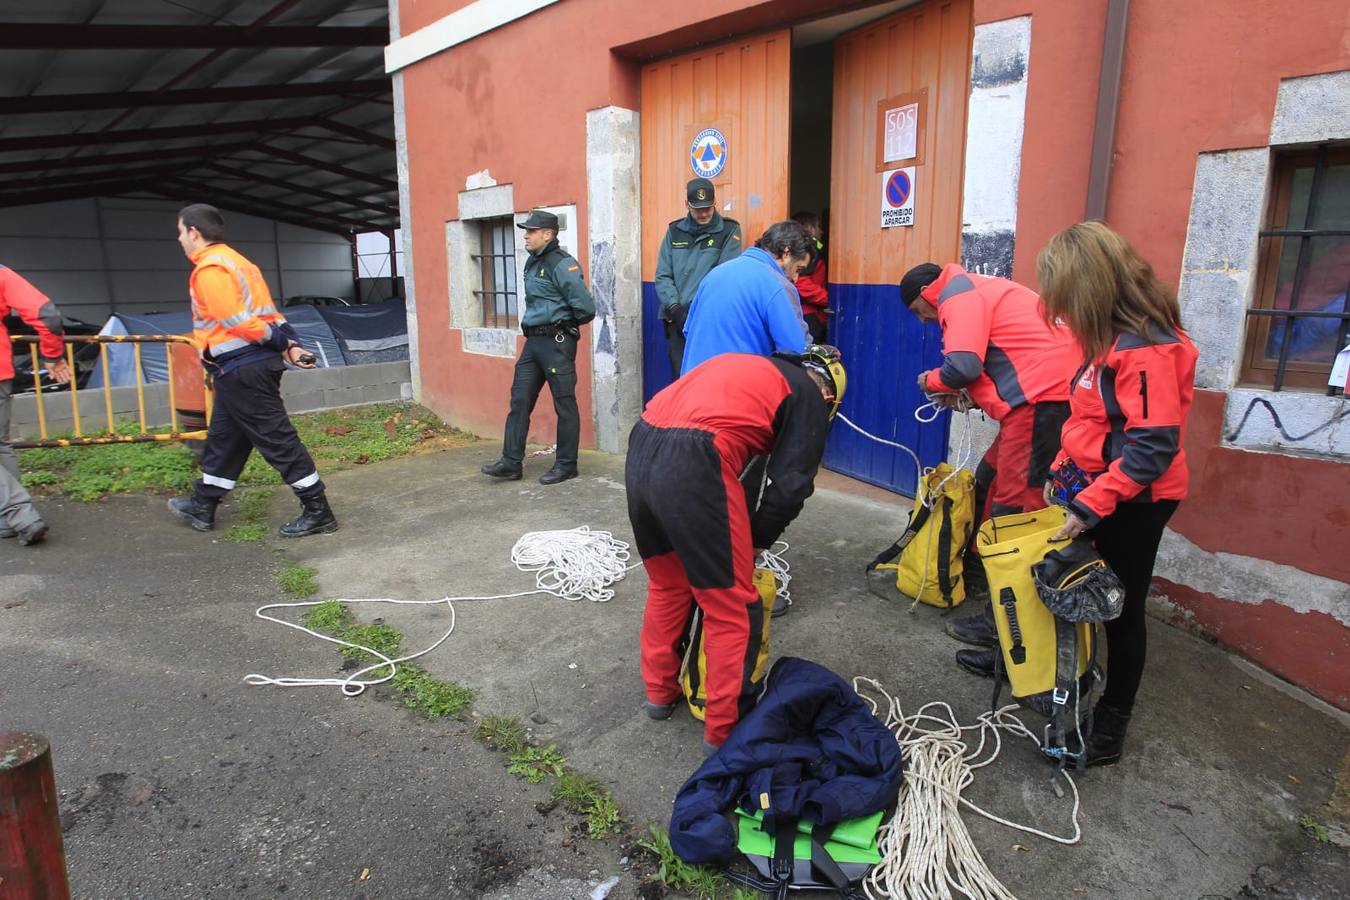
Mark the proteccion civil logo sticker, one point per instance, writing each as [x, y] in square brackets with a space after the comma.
[708, 153]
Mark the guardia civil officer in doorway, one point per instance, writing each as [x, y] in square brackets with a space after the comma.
[245, 345]
[557, 304]
[692, 247]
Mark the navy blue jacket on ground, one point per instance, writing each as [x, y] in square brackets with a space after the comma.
[810, 748]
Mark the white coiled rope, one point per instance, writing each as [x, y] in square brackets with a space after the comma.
[577, 564]
[927, 852]
[772, 559]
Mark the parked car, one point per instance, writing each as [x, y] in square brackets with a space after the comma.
[314, 300]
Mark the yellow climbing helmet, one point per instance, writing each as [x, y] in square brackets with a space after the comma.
[824, 360]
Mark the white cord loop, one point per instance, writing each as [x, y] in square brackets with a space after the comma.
[577, 564]
[926, 849]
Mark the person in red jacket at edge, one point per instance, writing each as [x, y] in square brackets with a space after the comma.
[1122, 470]
[811, 280]
[691, 520]
[998, 351]
[18, 518]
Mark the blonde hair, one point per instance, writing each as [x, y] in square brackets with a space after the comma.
[1097, 285]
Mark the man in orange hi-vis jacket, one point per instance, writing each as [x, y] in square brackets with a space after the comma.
[998, 348]
[18, 518]
[245, 345]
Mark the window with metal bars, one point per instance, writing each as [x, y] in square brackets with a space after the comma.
[497, 267]
[1300, 317]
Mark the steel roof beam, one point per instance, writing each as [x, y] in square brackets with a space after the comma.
[254, 177]
[143, 135]
[127, 99]
[39, 36]
[202, 151]
[205, 189]
[336, 169]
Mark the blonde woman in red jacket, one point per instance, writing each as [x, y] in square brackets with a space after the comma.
[1122, 468]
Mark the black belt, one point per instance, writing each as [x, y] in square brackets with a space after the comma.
[551, 330]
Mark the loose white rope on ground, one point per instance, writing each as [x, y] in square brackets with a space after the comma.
[576, 564]
[927, 852]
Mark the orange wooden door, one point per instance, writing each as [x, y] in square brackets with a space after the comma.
[920, 55]
[740, 92]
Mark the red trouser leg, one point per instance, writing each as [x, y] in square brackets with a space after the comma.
[726, 623]
[1010, 456]
[663, 624]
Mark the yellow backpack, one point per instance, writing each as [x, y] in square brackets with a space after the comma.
[931, 550]
[1045, 658]
[694, 673]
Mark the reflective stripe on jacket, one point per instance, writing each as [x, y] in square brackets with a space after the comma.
[1128, 423]
[996, 345]
[31, 305]
[232, 307]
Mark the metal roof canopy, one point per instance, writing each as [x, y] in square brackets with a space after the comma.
[274, 108]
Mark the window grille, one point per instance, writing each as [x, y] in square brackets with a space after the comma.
[497, 267]
[1300, 318]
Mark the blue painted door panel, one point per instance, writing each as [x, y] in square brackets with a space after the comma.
[884, 348]
[655, 356]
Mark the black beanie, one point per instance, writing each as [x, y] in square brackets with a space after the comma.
[916, 279]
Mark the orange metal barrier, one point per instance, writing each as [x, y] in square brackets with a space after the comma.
[190, 393]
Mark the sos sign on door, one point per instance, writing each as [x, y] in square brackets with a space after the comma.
[897, 197]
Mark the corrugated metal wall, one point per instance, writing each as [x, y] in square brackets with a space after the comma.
[741, 88]
[96, 257]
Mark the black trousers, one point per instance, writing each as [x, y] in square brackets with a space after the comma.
[545, 359]
[675, 339]
[1128, 540]
[249, 414]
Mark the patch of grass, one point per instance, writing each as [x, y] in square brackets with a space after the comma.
[535, 763]
[431, 697]
[1314, 829]
[586, 796]
[298, 581]
[336, 439]
[247, 534]
[329, 617]
[703, 882]
[251, 505]
[377, 637]
[504, 733]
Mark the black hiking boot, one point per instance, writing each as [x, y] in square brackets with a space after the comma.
[316, 517]
[658, 711]
[979, 662]
[501, 469]
[1106, 740]
[33, 534]
[978, 630]
[195, 511]
[557, 474]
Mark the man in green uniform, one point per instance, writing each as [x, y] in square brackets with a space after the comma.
[692, 247]
[557, 304]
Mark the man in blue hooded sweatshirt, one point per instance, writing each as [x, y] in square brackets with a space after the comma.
[749, 304]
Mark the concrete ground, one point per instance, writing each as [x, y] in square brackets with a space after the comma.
[126, 637]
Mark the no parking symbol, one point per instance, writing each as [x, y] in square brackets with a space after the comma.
[897, 197]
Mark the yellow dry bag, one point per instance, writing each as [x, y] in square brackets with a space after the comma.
[694, 673]
[931, 549]
[1044, 657]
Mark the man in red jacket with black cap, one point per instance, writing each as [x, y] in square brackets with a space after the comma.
[691, 519]
[18, 518]
[1016, 367]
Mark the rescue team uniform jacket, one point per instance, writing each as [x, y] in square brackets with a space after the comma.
[689, 252]
[996, 345]
[19, 297]
[753, 405]
[233, 317]
[1127, 422]
[745, 306]
[811, 285]
[810, 749]
[555, 293]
